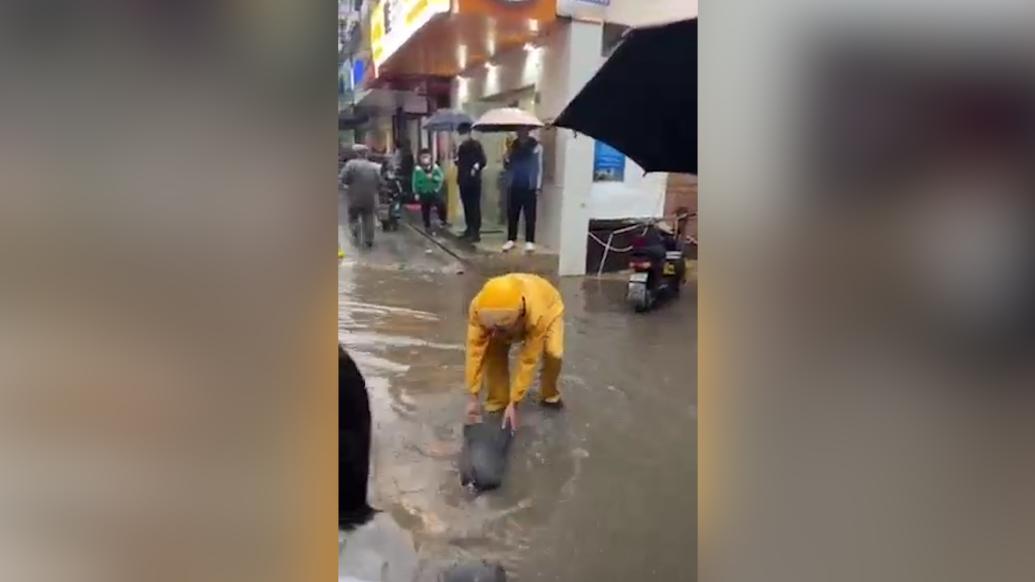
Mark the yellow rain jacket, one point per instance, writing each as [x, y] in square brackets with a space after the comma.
[541, 332]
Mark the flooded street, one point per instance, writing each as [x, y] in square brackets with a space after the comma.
[604, 489]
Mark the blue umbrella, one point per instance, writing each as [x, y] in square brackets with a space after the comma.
[446, 120]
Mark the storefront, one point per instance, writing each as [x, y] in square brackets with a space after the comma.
[498, 53]
[421, 46]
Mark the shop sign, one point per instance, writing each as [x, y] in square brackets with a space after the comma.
[594, 10]
[359, 67]
[393, 22]
[608, 163]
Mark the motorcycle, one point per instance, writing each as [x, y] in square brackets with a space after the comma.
[389, 208]
[658, 265]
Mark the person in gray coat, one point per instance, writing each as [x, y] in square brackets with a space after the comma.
[360, 180]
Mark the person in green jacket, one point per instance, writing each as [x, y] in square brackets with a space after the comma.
[428, 179]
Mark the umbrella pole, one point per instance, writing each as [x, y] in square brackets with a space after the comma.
[453, 189]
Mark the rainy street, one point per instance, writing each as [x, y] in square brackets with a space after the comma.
[604, 489]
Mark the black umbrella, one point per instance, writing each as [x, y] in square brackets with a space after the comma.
[643, 101]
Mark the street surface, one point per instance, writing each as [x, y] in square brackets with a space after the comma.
[604, 489]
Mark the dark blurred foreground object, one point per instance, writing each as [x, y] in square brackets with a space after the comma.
[643, 101]
[353, 444]
[477, 572]
[483, 459]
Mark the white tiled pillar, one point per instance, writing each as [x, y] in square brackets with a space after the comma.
[573, 55]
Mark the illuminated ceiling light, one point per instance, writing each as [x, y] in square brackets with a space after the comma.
[533, 25]
[490, 43]
[461, 56]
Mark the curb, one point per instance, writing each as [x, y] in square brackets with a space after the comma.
[438, 243]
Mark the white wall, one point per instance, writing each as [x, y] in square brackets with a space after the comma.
[648, 12]
[568, 58]
[638, 196]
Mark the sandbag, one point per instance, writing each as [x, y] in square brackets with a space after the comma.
[483, 459]
[475, 572]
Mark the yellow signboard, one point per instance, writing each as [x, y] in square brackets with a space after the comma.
[393, 22]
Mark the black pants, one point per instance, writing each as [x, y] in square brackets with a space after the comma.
[353, 444]
[427, 203]
[521, 199]
[471, 196]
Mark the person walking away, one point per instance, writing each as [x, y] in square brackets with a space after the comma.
[428, 179]
[470, 161]
[361, 179]
[515, 308]
[524, 162]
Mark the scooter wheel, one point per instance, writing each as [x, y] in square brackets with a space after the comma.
[640, 298]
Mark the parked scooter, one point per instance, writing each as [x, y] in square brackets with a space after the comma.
[389, 208]
[659, 268]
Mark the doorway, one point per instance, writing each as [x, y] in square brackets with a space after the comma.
[494, 179]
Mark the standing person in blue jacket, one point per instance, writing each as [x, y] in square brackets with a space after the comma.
[524, 162]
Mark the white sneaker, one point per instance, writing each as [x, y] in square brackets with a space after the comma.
[529, 247]
[508, 245]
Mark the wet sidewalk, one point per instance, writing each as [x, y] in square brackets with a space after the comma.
[485, 256]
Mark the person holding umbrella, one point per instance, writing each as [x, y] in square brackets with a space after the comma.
[524, 166]
[524, 161]
[470, 161]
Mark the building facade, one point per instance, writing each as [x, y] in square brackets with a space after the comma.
[475, 55]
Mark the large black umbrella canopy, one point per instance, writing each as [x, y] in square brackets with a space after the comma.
[643, 100]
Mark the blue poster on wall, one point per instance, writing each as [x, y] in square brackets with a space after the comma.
[608, 163]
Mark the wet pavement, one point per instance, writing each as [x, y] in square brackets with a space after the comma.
[604, 489]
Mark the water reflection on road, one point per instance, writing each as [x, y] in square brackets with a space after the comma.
[603, 490]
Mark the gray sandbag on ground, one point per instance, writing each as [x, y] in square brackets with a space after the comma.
[476, 572]
[483, 459]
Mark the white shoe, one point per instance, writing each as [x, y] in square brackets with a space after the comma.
[508, 245]
[529, 247]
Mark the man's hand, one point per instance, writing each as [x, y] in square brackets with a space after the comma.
[473, 414]
[510, 415]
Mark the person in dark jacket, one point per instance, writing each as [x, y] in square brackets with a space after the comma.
[470, 161]
[404, 164]
[360, 179]
[524, 162]
[353, 444]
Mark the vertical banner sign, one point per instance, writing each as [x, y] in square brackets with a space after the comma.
[608, 163]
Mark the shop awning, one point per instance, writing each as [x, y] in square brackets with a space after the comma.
[436, 38]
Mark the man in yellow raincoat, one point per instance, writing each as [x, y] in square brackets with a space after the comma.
[511, 309]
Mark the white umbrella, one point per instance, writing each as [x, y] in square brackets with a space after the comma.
[507, 119]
